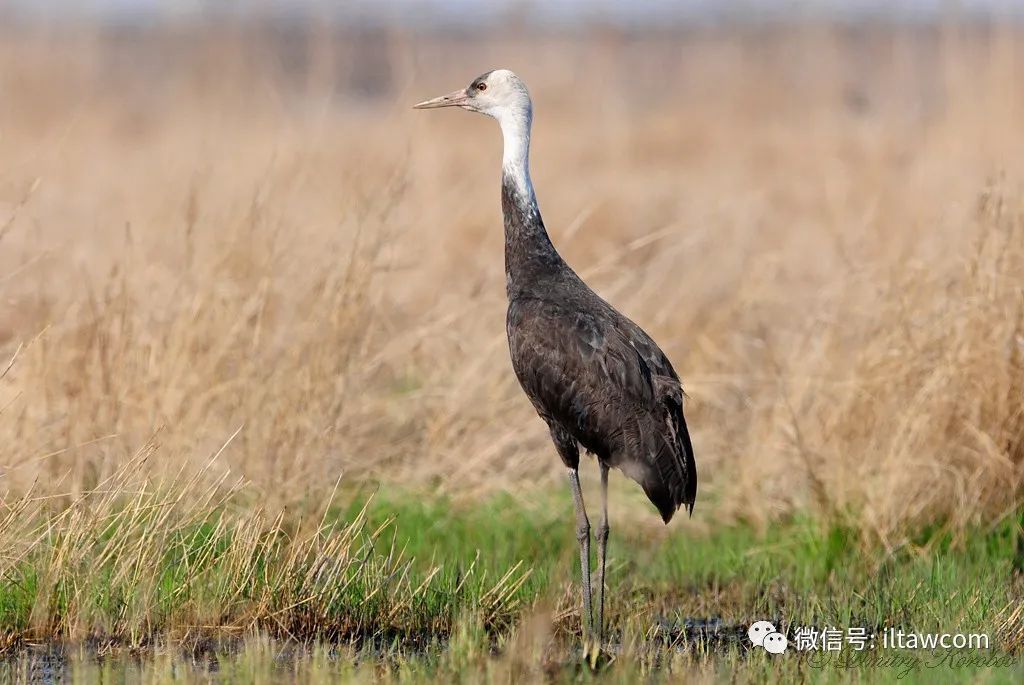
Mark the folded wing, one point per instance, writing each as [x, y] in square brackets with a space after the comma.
[603, 380]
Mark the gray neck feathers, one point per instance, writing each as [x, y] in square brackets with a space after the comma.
[531, 261]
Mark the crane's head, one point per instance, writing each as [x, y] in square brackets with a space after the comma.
[499, 94]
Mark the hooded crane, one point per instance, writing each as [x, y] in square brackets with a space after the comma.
[595, 377]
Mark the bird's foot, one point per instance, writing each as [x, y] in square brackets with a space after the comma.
[595, 655]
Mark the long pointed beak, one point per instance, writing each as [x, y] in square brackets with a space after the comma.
[456, 98]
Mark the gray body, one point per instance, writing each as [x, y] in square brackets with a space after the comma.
[595, 377]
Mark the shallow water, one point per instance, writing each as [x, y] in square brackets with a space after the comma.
[56, 662]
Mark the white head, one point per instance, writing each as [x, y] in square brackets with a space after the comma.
[498, 94]
[502, 95]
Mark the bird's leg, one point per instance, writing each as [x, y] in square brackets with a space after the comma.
[602, 548]
[583, 536]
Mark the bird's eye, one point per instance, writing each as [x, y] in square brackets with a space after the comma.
[481, 86]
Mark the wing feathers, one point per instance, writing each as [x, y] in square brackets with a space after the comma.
[601, 378]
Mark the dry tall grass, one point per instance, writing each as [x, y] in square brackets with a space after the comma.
[227, 230]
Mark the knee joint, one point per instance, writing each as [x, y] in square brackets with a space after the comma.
[602, 532]
[583, 531]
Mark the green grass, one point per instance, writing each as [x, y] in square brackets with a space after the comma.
[421, 588]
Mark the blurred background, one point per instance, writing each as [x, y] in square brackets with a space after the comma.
[224, 231]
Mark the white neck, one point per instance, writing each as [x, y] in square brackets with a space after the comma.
[515, 161]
